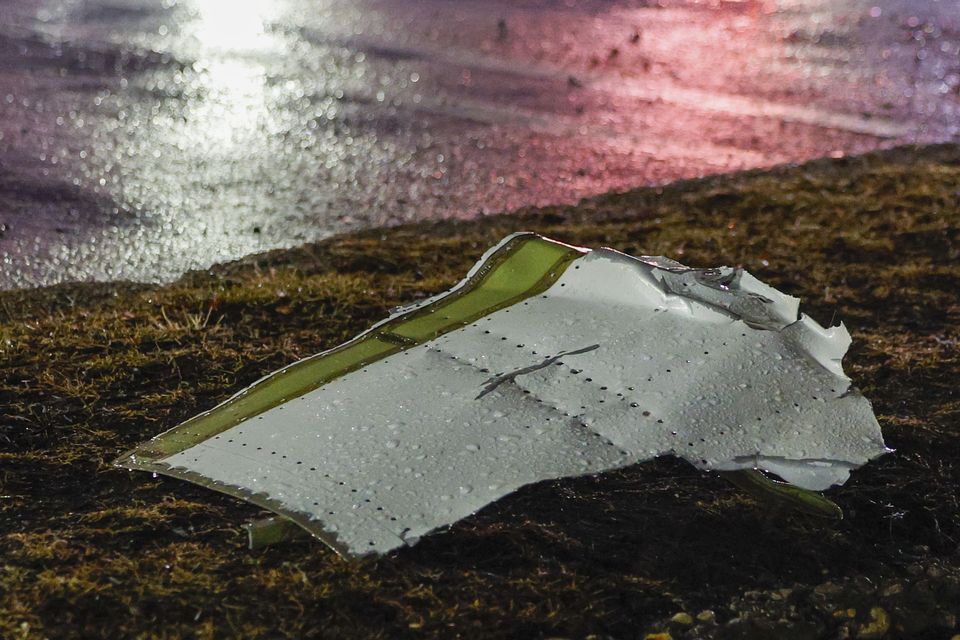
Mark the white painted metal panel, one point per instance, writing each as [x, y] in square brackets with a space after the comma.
[621, 360]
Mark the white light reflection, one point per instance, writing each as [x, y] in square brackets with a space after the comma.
[227, 26]
[234, 40]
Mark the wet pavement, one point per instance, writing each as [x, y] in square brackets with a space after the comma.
[140, 139]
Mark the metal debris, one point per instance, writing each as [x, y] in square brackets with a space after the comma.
[452, 403]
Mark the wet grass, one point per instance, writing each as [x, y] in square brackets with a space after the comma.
[88, 371]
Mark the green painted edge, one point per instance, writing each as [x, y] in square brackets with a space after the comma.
[270, 531]
[522, 266]
[781, 494]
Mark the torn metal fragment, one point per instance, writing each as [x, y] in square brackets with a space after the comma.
[547, 361]
[269, 531]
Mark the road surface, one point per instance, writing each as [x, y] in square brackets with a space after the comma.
[140, 139]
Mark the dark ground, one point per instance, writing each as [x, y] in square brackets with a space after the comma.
[90, 370]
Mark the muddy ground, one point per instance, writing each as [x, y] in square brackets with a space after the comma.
[89, 370]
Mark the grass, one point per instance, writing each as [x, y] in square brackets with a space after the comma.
[89, 370]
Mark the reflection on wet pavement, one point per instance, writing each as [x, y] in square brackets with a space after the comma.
[141, 139]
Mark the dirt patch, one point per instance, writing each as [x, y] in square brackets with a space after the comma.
[91, 370]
